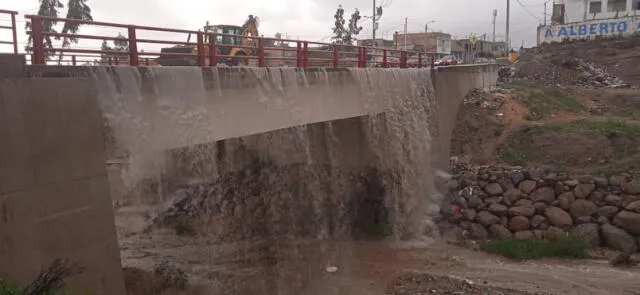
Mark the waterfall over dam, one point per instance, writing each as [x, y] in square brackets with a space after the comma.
[232, 154]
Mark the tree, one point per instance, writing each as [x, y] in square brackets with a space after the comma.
[76, 9]
[354, 29]
[338, 29]
[47, 8]
[119, 50]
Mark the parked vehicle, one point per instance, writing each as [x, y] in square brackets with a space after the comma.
[448, 60]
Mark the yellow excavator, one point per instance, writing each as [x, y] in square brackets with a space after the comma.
[244, 44]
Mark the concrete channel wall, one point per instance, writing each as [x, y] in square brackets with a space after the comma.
[54, 191]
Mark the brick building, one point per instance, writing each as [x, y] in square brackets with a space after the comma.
[432, 42]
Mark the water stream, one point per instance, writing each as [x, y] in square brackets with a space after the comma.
[360, 177]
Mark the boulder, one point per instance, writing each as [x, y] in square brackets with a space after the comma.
[613, 200]
[629, 221]
[540, 207]
[590, 232]
[584, 219]
[513, 195]
[517, 177]
[633, 207]
[485, 218]
[474, 202]
[469, 214]
[526, 210]
[499, 231]
[582, 207]
[618, 239]
[632, 187]
[617, 181]
[527, 186]
[603, 220]
[494, 200]
[519, 223]
[539, 234]
[538, 220]
[608, 211]
[493, 189]
[601, 182]
[554, 233]
[478, 232]
[572, 182]
[523, 235]
[558, 217]
[583, 190]
[498, 209]
[565, 200]
[523, 202]
[544, 194]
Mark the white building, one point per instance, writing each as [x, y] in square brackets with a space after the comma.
[585, 10]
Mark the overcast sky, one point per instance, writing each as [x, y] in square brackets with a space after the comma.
[305, 19]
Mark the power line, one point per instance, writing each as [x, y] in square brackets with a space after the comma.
[527, 10]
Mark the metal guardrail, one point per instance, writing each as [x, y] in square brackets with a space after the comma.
[13, 28]
[301, 54]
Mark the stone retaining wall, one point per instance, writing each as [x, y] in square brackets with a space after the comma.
[501, 202]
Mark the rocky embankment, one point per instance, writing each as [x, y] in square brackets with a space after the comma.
[499, 202]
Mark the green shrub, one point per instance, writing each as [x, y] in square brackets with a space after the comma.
[536, 248]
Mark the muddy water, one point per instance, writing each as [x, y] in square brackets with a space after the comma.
[270, 212]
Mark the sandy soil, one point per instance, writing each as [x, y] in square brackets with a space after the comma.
[363, 267]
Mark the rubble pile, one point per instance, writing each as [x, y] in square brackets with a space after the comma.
[265, 200]
[592, 76]
[502, 202]
[567, 71]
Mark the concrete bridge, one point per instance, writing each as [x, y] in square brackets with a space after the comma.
[54, 187]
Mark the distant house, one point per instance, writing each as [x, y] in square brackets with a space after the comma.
[432, 42]
[571, 11]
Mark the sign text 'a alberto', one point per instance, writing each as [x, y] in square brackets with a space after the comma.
[590, 29]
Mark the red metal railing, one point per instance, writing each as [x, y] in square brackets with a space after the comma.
[263, 51]
[13, 28]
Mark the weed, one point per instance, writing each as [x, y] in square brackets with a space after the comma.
[569, 247]
[542, 102]
[50, 281]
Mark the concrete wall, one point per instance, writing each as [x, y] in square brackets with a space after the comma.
[54, 194]
[451, 85]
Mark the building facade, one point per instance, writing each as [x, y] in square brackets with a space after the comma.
[432, 42]
[572, 11]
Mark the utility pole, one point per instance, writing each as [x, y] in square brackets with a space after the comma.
[545, 12]
[406, 20]
[507, 37]
[495, 14]
[373, 30]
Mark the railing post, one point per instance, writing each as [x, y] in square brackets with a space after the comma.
[419, 59]
[305, 61]
[364, 58]
[299, 54]
[73, 59]
[403, 59]
[146, 62]
[38, 41]
[213, 54]
[200, 46]
[109, 60]
[384, 59]
[335, 57]
[433, 61]
[133, 47]
[14, 31]
[261, 62]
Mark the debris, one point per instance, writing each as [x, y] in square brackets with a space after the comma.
[331, 269]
